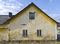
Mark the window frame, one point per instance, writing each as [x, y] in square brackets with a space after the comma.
[58, 31]
[39, 33]
[25, 33]
[31, 15]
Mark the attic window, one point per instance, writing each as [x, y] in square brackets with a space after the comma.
[31, 15]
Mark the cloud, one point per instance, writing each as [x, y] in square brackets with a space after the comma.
[55, 17]
[9, 6]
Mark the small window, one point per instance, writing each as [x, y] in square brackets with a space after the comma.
[38, 32]
[25, 33]
[58, 31]
[31, 15]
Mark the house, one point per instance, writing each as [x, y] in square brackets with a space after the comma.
[29, 24]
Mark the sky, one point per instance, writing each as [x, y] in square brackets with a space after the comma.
[50, 7]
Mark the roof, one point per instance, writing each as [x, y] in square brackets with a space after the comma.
[25, 9]
[4, 18]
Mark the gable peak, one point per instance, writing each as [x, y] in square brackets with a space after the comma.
[32, 3]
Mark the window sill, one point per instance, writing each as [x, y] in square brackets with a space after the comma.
[39, 36]
[25, 36]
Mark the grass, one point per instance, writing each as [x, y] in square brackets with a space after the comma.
[30, 42]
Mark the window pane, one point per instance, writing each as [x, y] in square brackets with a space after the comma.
[37, 32]
[26, 32]
[40, 32]
[23, 32]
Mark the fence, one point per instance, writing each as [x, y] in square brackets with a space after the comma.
[31, 42]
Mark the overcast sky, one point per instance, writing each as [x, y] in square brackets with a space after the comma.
[51, 7]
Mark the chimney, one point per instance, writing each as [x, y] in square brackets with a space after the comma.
[10, 14]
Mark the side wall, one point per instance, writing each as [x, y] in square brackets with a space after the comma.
[41, 21]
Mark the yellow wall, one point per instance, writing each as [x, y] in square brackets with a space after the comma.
[41, 21]
[4, 34]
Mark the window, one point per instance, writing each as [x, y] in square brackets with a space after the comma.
[38, 32]
[32, 15]
[58, 31]
[25, 33]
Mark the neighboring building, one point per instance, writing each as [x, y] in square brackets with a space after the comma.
[29, 24]
[58, 31]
